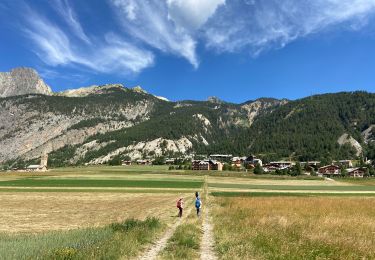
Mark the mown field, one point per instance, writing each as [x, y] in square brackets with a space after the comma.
[117, 212]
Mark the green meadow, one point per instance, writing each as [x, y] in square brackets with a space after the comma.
[41, 182]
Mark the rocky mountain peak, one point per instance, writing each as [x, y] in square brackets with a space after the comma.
[215, 100]
[21, 81]
[139, 89]
[91, 90]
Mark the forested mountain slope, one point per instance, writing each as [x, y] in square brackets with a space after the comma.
[317, 127]
[97, 123]
[94, 125]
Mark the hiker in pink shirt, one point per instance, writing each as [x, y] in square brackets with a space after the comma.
[180, 206]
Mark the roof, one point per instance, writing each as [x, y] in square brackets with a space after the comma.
[283, 162]
[355, 169]
[144, 160]
[331, 165]
[220, 155]
[204, 162]
[34, 167]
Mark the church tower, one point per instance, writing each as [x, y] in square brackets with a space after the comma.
[44, 160]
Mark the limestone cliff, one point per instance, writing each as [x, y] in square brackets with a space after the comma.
[21, 81]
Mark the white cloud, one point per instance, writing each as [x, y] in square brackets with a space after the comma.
[118, 54]
[256, 25]
[176, 27]
[253, 26]
[54, 47]
[46, 73]
[148, 21]
[192, 14]
[67, 13]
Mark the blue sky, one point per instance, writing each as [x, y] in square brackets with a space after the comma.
[237, 50]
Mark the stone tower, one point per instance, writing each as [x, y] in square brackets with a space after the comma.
[44, 160]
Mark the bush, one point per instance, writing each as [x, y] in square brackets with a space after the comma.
[258, 169]
[130, 224]
[227, 167]
[296, 170]
[160, 160]
[115, 161]
[65, 253]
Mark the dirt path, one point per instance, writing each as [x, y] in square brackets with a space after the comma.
[208, 241]
[154, 251]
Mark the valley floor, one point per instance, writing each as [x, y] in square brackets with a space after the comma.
[75, 213]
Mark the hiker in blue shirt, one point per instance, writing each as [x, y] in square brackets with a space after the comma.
[198, 203]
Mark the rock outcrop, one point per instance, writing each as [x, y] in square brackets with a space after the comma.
[254, 108]
[21, 81]
[347, 139]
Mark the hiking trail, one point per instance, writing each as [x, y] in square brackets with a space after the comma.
[208, 241]
[161, 243]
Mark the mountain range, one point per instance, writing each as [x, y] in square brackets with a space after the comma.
[96, 124]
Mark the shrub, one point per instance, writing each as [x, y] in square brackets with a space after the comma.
[65, 253]
[258, 169]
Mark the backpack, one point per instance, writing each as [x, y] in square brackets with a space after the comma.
[178, 203]
[197, 203]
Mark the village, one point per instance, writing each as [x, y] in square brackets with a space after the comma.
[248, 164]
[228, 162]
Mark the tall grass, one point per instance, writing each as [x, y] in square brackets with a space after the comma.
[185, 242]
[295, 228]
[110, 242]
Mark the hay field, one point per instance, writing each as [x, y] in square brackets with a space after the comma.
[73, 198]
[295, 228]
[89, 212]
[253, 217]
[39, 212]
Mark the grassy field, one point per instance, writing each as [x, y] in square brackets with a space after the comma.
[36, 212]
[118, 240]
[80, 213]
[185, 242]
[81, 183]
[88, 213]
[295, 228]
[295, 187]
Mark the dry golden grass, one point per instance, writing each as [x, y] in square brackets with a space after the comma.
[295, 228]
[38, 212]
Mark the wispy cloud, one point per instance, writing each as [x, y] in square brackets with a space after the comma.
[256, 25]
[53, 74]
[192, 14]
[148, 21]
[112, 54]
[176, 27]
[253, 26]
[67, 13]
[53, 45]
